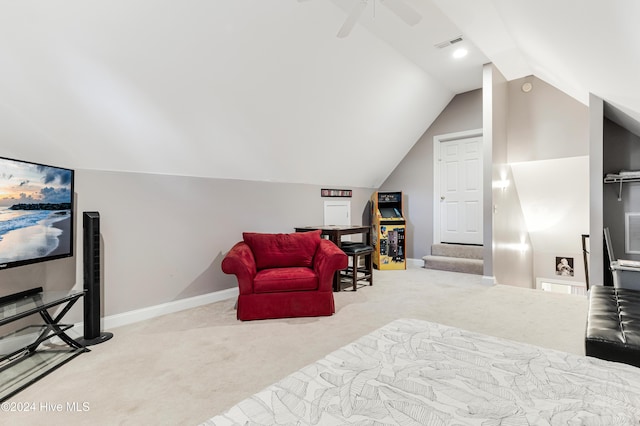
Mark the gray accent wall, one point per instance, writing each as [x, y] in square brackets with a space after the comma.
[414, 174]
[164, 237]
[545, 123]
[621, 152]
[614, 145]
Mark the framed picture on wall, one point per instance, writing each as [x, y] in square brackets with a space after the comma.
[335, 192]
[564, 266]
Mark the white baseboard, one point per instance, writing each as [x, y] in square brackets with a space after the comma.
[488, 280]
[131, 317]
[138, 315]
[415, 263]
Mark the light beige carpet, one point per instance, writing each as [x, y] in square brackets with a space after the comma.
[186, 367]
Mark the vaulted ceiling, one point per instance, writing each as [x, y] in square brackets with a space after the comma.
[264, 90]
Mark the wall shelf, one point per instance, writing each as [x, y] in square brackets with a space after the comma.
[621, 179]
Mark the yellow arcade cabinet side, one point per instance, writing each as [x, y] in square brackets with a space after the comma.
[388, 231]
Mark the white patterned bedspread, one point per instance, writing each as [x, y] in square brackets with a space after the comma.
[413, 372]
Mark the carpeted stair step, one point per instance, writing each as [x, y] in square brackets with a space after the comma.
[457, 250]
[455, 258]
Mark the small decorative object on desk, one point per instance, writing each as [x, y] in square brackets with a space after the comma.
[335, 192]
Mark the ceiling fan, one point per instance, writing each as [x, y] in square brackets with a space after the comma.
[405, 12]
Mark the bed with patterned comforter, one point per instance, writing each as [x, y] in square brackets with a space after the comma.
[414, 372]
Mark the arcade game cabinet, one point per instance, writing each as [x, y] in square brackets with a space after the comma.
[388, 231]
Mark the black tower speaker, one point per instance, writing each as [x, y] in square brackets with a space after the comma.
[91, 266]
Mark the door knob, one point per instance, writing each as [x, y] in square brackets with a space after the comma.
[442, 198]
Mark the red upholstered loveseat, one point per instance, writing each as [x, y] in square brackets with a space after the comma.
[284, 275]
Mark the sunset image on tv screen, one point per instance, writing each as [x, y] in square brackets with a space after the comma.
[35, 212]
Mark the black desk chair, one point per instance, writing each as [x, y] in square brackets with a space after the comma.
[356, 273]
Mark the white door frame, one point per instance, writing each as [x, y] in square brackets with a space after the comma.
[437, 140]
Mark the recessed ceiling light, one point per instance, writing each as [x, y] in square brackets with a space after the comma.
[460, 53]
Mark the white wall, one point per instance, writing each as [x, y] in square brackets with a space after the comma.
[548, 151]
[213, 89]
[508, 254]
[513, 255]
[554, 196]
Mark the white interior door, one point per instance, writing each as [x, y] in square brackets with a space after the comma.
[460, 165]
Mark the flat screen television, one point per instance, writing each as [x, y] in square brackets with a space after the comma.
[36, 213]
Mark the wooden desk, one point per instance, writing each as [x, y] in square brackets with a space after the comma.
[335, 233]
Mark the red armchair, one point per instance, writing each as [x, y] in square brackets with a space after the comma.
[284, 275]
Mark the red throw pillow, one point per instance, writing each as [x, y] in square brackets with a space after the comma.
[283, 250]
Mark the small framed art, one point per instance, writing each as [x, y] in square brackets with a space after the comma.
[335, 192]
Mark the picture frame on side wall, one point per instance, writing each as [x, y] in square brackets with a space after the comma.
[564, 266]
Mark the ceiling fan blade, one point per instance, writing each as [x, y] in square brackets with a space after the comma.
[405, 12]
[352, 18]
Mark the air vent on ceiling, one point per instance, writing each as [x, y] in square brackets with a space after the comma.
[448, 43]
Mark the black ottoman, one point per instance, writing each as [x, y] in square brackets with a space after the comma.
[613, 324]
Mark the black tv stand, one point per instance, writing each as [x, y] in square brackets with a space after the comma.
[24, 355]
[19, 295]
